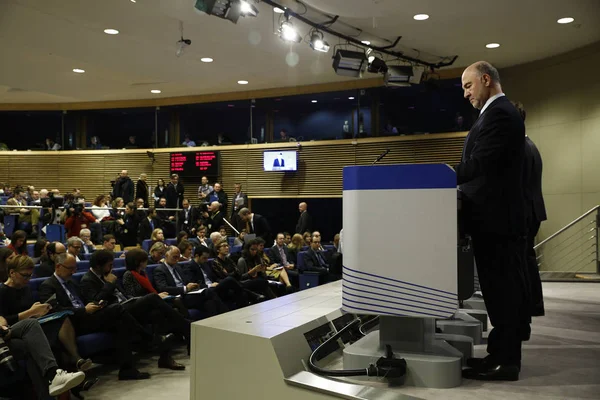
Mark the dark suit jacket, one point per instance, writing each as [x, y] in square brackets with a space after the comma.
[276, 163]
[164, 282]
[46, 269]
[51, 286]
[191, 220]
[94, 289]
[276, 257]
[215, 222]
[174, 195]
[141, 191]
[532, 181]
[261, 228]
[145, 229]
[222, 199]
[491, 172]
[193, 273]
[311, 262]
[304, 223]
[124, 188]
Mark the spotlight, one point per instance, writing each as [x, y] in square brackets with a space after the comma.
[248, 9]
[288, 33]
[228, 9]
[349, 63]
[377, 65]
[317, 42]
[403, 75]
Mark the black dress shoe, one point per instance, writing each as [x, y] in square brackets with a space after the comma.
[484, 363]
[132, 375]
[169, 363]
[494, 373]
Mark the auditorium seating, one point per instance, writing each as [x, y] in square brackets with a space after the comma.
[146, 245]
[30, 249]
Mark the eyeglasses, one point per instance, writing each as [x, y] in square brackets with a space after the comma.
[25, 276]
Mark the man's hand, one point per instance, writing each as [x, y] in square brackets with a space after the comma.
[191, 286]
[214, 284]
[171, 218]
[110, 278]
[120, 222]
[162, 295]
[3, 321]
[205, 214]
[91, 308]
[39, 309]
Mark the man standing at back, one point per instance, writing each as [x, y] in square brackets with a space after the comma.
[305, 220]
[124, 187]
[490, 184]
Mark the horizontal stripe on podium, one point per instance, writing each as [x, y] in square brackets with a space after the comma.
[411, 176]
[377, 308]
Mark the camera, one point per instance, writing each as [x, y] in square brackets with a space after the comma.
[6, 358]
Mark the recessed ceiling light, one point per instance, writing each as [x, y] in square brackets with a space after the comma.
[350, 98]
[111, 31]
[78, 70]
[206, 59]
[565, 20]
[365, 42]
[155, 91]
[492, 45]
[133, 1]
[421, 17]
[278, 10]
[243, 82]
[313, 101]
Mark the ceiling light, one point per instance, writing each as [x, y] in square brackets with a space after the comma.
[206, 59]
[377, 65]
[313, 101]
[278, 10]
[243, 82]
[78, 70]
[398, 75]
[182, 44]
[111, 31]
[421, 17]
[365, 42]
[133, 1]
[227, 9]
[248, 9]
[288, 33]
[155, 91]
[317, 42]
[349, 63]
[492, 45]
[350, 98]
[565, 20]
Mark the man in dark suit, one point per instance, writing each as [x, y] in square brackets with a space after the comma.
[124, 187]
[169, 277]
[147, 225]
[315, 260]
[174, 192]
[128, 226]
[214, 220]
[305, 220]
[493, 208]
[256, 223]
[141, 189]
[47, 268]
[186, 218]
[166, 218]
[279, 161]
[93, 317]
[100, 284]
[536, 213]
[281, 255]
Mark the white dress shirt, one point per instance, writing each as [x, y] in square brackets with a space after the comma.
[489, 101]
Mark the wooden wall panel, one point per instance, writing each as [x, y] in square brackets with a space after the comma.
[319, 165]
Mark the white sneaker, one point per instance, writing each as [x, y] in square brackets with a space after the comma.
[64, 381]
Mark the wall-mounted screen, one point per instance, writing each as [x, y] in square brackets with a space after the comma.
[195, 164]
[280, 161]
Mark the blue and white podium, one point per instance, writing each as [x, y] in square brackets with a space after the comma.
[400, 262]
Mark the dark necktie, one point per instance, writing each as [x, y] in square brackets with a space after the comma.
[151, 224]
[322, 262]
[75, 300]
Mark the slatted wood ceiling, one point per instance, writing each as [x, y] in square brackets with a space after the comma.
[319, 165]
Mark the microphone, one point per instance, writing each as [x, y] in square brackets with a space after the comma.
[385, 153]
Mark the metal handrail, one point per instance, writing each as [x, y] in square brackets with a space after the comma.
[570, 224]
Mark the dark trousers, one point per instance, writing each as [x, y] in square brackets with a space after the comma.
[151, 309]
[29, 343]
[208, 301]
[533, 273]
[229, 289]
[258, 285]
[501, 267]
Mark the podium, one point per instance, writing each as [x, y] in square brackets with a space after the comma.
[400, 262]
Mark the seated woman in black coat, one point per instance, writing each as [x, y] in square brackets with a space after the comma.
[16, 304]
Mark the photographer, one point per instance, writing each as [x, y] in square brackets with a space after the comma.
[78, 218]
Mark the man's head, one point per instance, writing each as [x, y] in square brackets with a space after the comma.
[215, 237]
[109, 242]
[139, 203]
[54, 249]
[336, 240]
[245, 214]
[317, 235]
[223, 231]
[130, 208]
[287, 238]
[162, 202]
[102, 261]
[204, 180]
[35, 195]
[237, 187]
[201, 231]
[217, 187]
[74, 245]
[43, 193]
[302, 207]
[520, 108]
[124, 173]
[151, 212]
[283, 134]
[143, 177]
[280, 239]
[202, 254]
[185, 203]
[65, 265]
[215, 206]
[174, 179]
[132, 139]
[315, 244]
[85, 234]
[480, 81]
[172, 255]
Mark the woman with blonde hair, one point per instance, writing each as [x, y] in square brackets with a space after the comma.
[295, 246]
[157, 236]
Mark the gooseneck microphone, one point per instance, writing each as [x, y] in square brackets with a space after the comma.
[385, 153]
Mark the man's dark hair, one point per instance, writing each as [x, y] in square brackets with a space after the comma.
[201, 250]
[520, 108]
[108, 238]
[259, 241]
[151, 210]
[134, 258]
[100, 258]
[285, 234]
[485, 67]
[131, 205]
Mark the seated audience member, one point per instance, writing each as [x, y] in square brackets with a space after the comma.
[27, 342]
[128, 226]
[186, 249]
[100, 284]
[157, 236]
[317, 235]
[28, 215]
[287, 238]
[250, 264]
[147, 225]
[18, 242]
[39, 250]
[228, 290]
[186, 217]
[47, 268]
[306, 237]
[295, 247]
[223, 232]
[86, 239]
[200, 239]
[91, 317]
[215, 238]
[223, 268]
[314, 260]
[35, 198]
[182, 236]
[74, 246]
[6, 254]
[116, 212]
[17, 304]
[109, 242]
[274, 271]
[336, 242]
[169, 277]
[157, 253]
[256, 223]
[239, 240]
[280, 255]
[77, 219]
